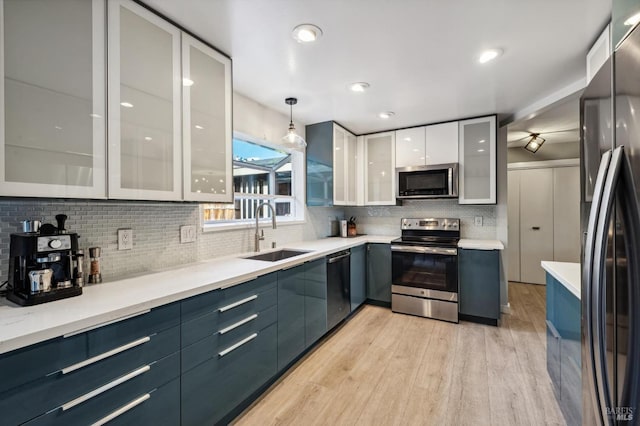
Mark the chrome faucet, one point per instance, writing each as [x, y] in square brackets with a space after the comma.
[260, 235]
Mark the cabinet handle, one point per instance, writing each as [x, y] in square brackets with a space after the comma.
[238, 324]
[120, 411]
[535, 228]
[238, 303]
[237, 345]
[93, 327]
[104, 355]
[104, 388]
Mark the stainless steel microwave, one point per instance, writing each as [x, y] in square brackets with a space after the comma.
[434, 181]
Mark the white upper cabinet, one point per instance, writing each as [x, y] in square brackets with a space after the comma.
[477, 172]
[52, 125]
[206, 121]
[410, 147]
[379, 169]
[344, 167]
[442, 143]
[145, 158]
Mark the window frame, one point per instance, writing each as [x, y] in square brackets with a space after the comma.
[298, 191]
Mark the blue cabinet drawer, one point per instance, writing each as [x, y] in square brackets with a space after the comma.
[199, 305]
[231, 305]
[105, 338]
[113, 395]
[226, 337]
[42, 359]
[161, 407]
[25, 402]
[214, 388]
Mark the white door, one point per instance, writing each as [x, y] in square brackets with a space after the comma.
[206, 123]
[566, 214]
[410, 147]
[513, 220]
[52, 121]
[536, 223]
[145, 153]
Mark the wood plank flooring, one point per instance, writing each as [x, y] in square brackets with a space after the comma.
[383, 368]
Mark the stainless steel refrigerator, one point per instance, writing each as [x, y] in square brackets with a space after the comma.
[610, 195]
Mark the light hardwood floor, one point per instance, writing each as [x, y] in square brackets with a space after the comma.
[383, 368]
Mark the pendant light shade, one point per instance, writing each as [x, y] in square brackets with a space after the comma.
[292, 139]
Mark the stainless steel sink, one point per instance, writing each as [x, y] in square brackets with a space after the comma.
[274, 256]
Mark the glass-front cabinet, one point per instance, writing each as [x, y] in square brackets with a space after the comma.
[206, 131]
[144, 105]
[379, 167]
[477, 158]
[344, 167]
[52, 125]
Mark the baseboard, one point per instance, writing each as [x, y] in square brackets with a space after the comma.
[506, 309]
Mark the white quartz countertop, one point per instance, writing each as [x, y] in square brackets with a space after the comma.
[466, 243]
[568, 274]
[103, 303]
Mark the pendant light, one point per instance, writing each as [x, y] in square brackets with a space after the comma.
[293, 139]
[534, 143]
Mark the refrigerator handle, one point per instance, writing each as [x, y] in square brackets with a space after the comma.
[587, 276]
[597, 300]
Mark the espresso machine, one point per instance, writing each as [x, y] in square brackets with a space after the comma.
[45, 265]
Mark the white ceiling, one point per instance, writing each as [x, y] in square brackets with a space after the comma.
[420, 56]
[558, 123]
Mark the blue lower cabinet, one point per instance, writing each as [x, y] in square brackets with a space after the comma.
[564, 362]
[358, 276]
[291, 324]
[379, 273]
[479, 285]
[315, 301]
[108, 399]
[213, 389]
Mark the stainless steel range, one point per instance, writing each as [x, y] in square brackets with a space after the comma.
[425, 269]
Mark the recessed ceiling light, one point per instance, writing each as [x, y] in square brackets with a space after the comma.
[386, 115]
[489, 55]
[632, 20]
[199, 127]
[306, 33]
[148, 138]
[187, 82]
[481, 150]
[359, 87]
[126, 104]
[481, 141]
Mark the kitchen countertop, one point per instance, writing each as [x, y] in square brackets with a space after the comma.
[568, 274]
[466, 243]
[103, 303]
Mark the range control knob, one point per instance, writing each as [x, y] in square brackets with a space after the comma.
[55, 244]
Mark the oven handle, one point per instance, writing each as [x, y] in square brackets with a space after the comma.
[425, 250]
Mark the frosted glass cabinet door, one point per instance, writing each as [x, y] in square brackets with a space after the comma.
[339, 166]
[352, 165]
[206, 123]
[144, 105]
[380, 169]
[477, 155]
[52, 126]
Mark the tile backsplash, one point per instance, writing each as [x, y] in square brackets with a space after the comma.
[156, 232]
[385, 220]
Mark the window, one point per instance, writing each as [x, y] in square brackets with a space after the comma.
[262, 172]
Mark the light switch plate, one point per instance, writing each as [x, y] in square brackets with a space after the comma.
[478, 221]
[187, 234]
[125, 239]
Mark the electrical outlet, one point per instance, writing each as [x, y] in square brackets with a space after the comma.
[187, 234]
[125, 239]
[478, 221]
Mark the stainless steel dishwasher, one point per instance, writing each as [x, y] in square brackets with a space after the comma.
[338, 284]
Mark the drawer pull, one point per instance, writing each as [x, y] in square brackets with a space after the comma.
[237, 345]
[122, 410]
[104, 388]
[104, 355]
[93, 327]
[238, 303]
[238, 324]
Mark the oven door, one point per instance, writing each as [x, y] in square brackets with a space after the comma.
[425, 268]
